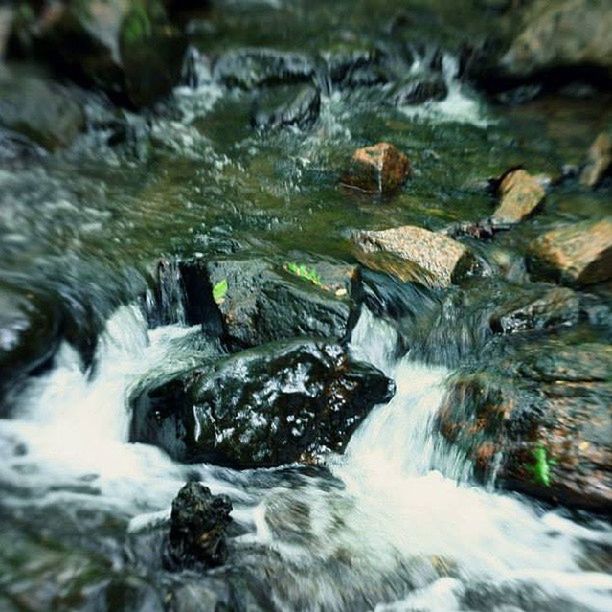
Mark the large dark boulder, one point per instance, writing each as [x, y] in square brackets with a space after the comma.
[262, 301]
[280, 403]
[539, 423]
[198, 521]
[128, 49]
[43, 111]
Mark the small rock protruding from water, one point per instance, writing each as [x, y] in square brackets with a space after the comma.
[381, 168]
[437, 258]
[599, 161]
[520, 196]
[198, 522]
[578, 254]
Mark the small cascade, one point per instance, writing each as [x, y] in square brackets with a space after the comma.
[397, 520]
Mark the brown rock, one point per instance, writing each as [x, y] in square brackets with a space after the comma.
[437, 258]
[381, 168]
[543, 427]
[521, 194]
[561, 34]
[576, 254]
[599, 161]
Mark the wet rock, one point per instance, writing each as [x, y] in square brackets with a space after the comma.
[125, 48]
[43, 111]
[249, 68]
[381, 168]
[438, 259]
[29, 336]
[276, 404]
[198, 522]
[287, 105]
[151, 57]
[535, 308]
[599, 161]
[562, 34]
[264, 302]
[579, 254]
[484, 229]
[420, 91]
[520, 195]
[541, 424]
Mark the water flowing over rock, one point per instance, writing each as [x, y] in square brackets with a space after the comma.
[578, 254]
[562, 34]
[288, 105]
[599, 161]
[439, 259]
[248, 68]
[381, 168]
[197, 528]
[276, 404]
[420, 90]
[520, 195]
[540, 424]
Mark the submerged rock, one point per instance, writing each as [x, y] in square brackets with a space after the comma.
[198, 521]
[381, 168]
[541, 425]
[599, 161]
[43, 111]
[579, 254]
[562, 34]
[287, 105]
[276, 404]
[520, 195]
[438, 258]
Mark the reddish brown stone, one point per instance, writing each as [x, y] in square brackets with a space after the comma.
[381, 168]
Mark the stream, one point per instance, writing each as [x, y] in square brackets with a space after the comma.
[399, 521]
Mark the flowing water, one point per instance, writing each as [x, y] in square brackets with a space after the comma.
[397, 522]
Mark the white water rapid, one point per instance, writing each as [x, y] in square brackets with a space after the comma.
[398, 523]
